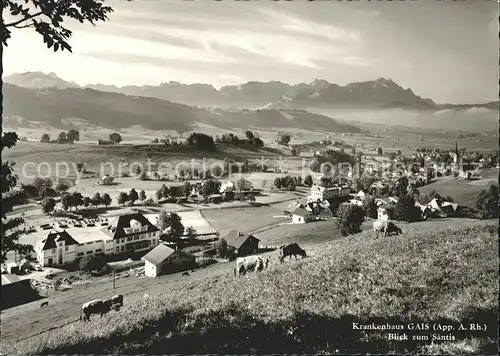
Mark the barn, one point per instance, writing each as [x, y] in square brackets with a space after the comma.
[244, 244]
[16, 291]
[164, 260]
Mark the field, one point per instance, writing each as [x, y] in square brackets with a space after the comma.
[436, 272]
[462, 191]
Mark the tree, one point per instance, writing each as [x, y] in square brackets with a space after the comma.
[257, 142]
[190, 232]
[115, 137]
[91, 263]
[62, 138]
[349, 219]
[159, 194]
[96, 199]
[221, 248]
[122, 198]
[73, 135]
[401, 187]
[308, 181]
[186, 189]
[379, 151]
[86, 202]
[42, 185]
[45, 138]
[142, 195]
[66, 201]
[210, 186]
[133, 196]
[76, 199]
[249, 134]
[284, 139]
[106, 200]
[278, 182]
[370, 207]
[405, 209]
[48, 205]
[486, 203]
[61, 187]
[172, 223]
[398, 153]
[54, 34]
[30, 190]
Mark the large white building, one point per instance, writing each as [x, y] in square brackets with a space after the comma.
[126, 233]
[322, 193]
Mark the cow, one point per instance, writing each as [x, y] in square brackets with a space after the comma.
[185, 274]
[385, 227]
[44, 304]
[290, 250]
[117, 301]
[95, 306]
[250, 263]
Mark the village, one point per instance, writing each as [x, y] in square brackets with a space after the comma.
[143, 239]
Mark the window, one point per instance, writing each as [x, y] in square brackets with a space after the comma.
[122, 240]
[89, 252]
[129, 238]
[90, 243]
[53, 250]
[80, 254]
[66, 249]
[123, 248]
[117, 249]
[98, 250]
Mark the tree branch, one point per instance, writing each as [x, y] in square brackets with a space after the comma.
[14, 24]
[24, 26]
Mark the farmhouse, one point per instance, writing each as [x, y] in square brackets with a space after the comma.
[302, 216]
[292, 206]
[132, 232]
[56, 249]
[244, 245]
[164, 260]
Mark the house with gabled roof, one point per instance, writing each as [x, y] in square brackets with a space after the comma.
[164, 260]
[132, 232]
[243, 244]
[57, 248]
[302, 216]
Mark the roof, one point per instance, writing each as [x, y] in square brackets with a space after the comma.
[301, 212]
[158, 254]
[10, 278]
[116, 227]
[236, 239]
[292, 206]
[54, 236]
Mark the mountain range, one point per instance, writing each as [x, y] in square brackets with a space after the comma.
[320, 94]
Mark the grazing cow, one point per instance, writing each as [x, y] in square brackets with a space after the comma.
[386, 228]
[95, 306]
[185, 273]
[44, 304]
[290, 250]
[117, 301]
[250, 263]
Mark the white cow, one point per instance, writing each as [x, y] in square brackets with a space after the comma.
[250, 263]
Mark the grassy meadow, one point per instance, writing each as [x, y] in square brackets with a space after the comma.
[435, 275]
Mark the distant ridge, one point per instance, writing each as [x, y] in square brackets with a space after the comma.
[381, 93]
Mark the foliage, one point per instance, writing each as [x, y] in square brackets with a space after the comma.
[133, 195]
[380, 152]
[61, 187]
[30, 190]
[330, 159]
[370, 207]
[401, 187]
[249, 134]
[91, 263]
[48, 205]
[308, 181]
[201, 141]
[284, 139]
[221, 248]
[42, 185]
[106, 199]
[186, 189]
[349, 218]
[486, 203]
[405, 209]
[115, 137]
[172, 223]
[142, 195]
[86, 202]
[122, 198]
[45, 138]
[210, 186]
[96, 199]
[288, 182]
[190, 232]
[73, 135]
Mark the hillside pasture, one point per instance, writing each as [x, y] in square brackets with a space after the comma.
[447, 276]
[462, 191]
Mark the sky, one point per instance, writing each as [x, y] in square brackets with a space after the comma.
[446, 51]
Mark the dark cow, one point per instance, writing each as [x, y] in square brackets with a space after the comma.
[44, 304]
[386, 228]
[250, 263]
[117, 301]
[290, 250]
[185, 273]
[95, 306]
